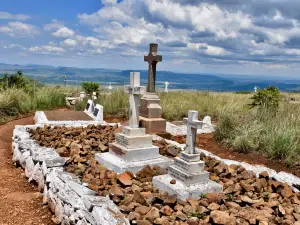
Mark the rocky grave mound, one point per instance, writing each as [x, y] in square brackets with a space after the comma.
[246, 198]
[80, 144]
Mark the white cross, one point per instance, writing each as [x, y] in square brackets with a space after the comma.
[166, 86]
[192, 124]
[255, 89]
[134, 89]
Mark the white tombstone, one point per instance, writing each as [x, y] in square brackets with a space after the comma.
[98, 113]
[82, 95]
[89, 108]
[188, 169]
[94, 96]
[207, 123]
[255, 89]
[133, 149]
[166, 86]
[110, 87]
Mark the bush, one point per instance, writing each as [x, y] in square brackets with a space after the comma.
[90, 87]
[267, 99]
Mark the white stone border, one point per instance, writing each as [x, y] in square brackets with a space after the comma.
[69, 199]
[288, 178]
[41, 119]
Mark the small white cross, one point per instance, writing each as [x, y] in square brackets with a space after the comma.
[192, 124]
[134, 89]
[166, 86]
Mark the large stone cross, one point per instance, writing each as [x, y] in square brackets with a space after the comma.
[152, 58]
[134, 89]
[192, 124]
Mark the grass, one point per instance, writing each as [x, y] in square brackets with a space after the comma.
[239, 127]
[14, 102]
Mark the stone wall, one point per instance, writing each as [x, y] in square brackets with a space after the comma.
[69, 199]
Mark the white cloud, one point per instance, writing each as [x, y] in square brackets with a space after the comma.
[46, 49]
[9, 16]
[18, 29]
[63, 32]
[109, 2]
[69, 43]
[14, 46]
[54, 25]
[213, 50]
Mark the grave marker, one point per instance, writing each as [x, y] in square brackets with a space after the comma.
[133, 148]
[188, 169]
[150, 109]
[166, 86]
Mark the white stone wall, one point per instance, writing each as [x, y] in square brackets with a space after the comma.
[69, 199]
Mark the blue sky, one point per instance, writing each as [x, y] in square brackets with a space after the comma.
[260, 37]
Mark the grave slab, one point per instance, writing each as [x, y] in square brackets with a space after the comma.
[188, 170]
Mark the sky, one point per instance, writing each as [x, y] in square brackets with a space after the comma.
[259, 37]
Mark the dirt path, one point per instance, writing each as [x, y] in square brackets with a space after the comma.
[20, 202]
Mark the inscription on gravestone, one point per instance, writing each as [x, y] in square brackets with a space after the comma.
[87, 106]
[96, 111]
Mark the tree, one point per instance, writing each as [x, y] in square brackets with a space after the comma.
[267, 99]
[90, 87]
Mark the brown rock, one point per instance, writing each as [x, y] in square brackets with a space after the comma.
[246, 186]
[287, 191]
[222, 167]
[143, 222]
[166, 210]
[248, 174]
[125, 179]
[139, 198]
[181, 216]
[264, 174]
[213, 206]
[246, 199]
[178, 207]
[170, 200]
[193, 221]
[187, 209]
[134, 216]
[115, 190]
[152, 214]
[173, 181]
[142, 210]
[221, 217]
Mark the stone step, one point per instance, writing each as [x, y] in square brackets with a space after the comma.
[188, 178]
[189, 167]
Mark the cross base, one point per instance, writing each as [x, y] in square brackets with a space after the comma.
[184, 191]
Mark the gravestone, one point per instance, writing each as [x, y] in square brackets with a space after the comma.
[255, 89]
[98, 113]
[89, 108]
[133, 148]
[150, 109]
[166, 86]
[188, 169]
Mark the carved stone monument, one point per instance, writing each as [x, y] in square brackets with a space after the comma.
[188, 169]
[150, 109]
[133, 148]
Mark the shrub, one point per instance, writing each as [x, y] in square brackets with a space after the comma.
[90, 87]
[267, 99]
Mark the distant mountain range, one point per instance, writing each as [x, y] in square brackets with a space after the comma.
[208, 82]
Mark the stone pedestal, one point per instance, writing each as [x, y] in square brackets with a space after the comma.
[151, 114]
[132, 151]
[191, 179]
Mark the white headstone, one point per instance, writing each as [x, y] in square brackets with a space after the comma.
[110, 87]
[134, 89]
[89, 108]
[166, 86]
[82, 95]
[192, 124]
[255, 89]
[94, 96]
[98, 113]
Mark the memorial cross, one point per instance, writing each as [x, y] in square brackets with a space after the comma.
[192, 124]
[166, 86]
[134, 89]
[152, 58]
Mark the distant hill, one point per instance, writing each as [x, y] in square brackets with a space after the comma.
[208, 82]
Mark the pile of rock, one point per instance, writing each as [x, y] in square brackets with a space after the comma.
[246, 198]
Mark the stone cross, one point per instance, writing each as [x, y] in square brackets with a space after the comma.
[255, 89]
[166, 86]
[192, 124]
[152, 58]
[134, 89]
